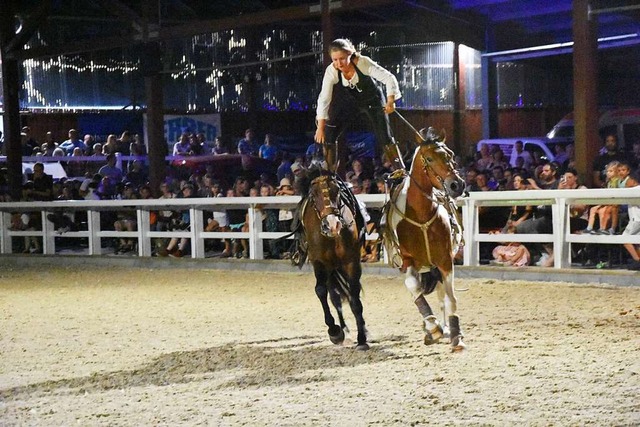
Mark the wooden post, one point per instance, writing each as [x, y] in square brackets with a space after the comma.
[585, 90]
[10, 86]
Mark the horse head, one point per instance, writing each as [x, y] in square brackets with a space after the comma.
[324, 195]
[439, 164]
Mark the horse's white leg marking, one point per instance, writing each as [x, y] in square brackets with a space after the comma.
[412, 282]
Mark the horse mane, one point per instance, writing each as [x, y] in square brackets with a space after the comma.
[304, 182]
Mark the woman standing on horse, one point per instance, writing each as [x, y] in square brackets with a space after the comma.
[348, 89]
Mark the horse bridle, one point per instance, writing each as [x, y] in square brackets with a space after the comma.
[427, 164]
[327, 209]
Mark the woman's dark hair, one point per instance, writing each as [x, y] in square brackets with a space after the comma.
[342, 44]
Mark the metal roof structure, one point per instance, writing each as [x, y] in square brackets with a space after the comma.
[53, 27]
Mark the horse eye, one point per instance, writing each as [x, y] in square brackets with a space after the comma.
[429, 159]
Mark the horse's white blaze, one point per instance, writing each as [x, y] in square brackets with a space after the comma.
[333, 223]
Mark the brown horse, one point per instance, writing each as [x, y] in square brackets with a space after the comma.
[422, 233]
[332, 226]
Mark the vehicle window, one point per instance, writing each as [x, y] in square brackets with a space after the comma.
[536, 152]
[561, 132]
[631, 134]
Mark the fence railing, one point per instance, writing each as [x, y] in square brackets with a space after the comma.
[559, 200]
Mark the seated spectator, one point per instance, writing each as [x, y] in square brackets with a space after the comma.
[176, 247]
[65, 221]
[268, 150]
[518, 213]
[605, 213]
[485, 159]
[237, 219]
[137, 174]
[248, 145]
[97, 150]
[578, 214]
[49, 145]
[497, 181]
[73, 142]
[541, 223]
[548, 179]
[314, 152]
[110, 170]
[356, 171]
[482, 182]
[219, 220]
[137, 147]
[76, 168]
[196, 147]
[270, 222]
[111, 146]
[28, 221]
[470, 180]
[219, 147]
[123, 144]
[512, 254]
[126, 221]
[285, 216]
[88, 140]
[183, 146]
[633, 229]
[498, 160]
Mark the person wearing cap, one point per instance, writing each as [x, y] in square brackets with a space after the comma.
[349, 88]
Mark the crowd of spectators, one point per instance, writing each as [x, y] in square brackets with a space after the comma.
[612, 168]
[488, 170]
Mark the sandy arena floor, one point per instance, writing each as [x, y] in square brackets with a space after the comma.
[192, 347]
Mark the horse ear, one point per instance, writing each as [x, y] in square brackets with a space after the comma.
[444, 136]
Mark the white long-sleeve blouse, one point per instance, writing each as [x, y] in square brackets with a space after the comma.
[368, 67]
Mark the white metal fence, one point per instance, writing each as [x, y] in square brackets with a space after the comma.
[558, 199]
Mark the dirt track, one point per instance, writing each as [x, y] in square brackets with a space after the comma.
[170, 347]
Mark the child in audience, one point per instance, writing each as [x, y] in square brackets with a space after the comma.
[605, 213]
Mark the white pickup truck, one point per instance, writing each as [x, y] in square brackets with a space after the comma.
[624, 123]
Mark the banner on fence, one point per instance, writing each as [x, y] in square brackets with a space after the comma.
[176, 124]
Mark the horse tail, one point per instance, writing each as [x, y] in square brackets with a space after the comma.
[429, 280]
[341, 284]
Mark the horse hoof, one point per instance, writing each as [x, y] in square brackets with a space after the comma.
[457, 345]
[362, 347]
[433, 335]
[337, 337]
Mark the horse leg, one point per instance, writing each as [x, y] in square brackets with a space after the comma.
[440, 291]
[356, 307]
[336, 335]
[451, 305]
[432, 329]
[336, 300]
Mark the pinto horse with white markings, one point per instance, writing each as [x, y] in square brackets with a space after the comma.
[422, 233]
[333, 229]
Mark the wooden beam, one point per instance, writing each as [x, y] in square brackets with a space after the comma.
[29, 27]
[123, 11]
[585, 88]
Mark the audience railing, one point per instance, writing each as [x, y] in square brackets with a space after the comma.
[561, 239]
